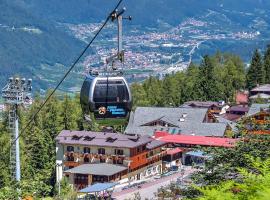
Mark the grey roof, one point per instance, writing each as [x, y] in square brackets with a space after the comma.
[103, 139]
[154, 144]
[262, 88]
[232, 124]
[260, 95]
[192, 125]
[104, 169]
[202, 104]
[256, 108]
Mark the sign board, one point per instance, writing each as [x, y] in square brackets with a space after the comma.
[111, 110]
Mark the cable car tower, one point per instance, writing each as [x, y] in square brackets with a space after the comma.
[16, 93]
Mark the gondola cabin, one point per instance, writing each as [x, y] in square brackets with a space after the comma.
[106, 97]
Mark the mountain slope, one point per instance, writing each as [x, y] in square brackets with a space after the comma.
[27, 41]
[34, 40]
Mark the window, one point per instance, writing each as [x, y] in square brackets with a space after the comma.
[109, 139]
[70, 157]
[86, 159]
[81, 179]
[101, 151]
[111, 91]
[76, 137]
[86, 150]
[138, 149]
[119, 152]
[143, 147]
[70, 148]
[120, 161]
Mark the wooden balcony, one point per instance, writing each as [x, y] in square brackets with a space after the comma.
[71, 164]
[82, 158]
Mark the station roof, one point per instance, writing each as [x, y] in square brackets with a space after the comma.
[178, 120]
[98, 187]
[198, 140]
[102, 169]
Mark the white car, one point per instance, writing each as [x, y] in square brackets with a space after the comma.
[157, 177]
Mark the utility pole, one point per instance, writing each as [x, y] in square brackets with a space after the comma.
[17, 92]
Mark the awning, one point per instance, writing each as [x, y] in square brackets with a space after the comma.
[98, 187]
[200, 154]
[174, 151]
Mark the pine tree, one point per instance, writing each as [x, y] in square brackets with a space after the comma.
[169, 91]
[68, 114]
[208, 84]
[153, 90]
[256, 72]
[190, 89]
[139, 96]
[267, 64]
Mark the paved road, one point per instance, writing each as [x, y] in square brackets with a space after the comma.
[148, 190]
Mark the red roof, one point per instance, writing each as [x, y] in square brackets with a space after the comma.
[174, 151]
[241, 97]
[197, 140]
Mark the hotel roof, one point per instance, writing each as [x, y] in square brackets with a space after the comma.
[103, 139]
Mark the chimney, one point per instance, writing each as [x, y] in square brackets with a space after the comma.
[182, 119]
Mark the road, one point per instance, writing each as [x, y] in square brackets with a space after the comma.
[149, 189]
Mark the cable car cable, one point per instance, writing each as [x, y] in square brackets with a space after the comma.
[66, 74]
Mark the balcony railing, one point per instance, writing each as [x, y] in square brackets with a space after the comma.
[94, 158]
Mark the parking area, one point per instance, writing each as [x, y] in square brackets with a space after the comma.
[148, 188]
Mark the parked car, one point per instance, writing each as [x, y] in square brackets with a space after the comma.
[157, 177]
[125, 188]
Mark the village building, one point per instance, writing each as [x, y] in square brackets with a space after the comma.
[241, 98]
[260, 94]
[185, 147]
[213, 106]
[181, 120]
[235, 113]
[89, 157]
[257, 120]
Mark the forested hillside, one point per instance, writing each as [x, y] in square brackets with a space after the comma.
[27, 42]
[216, 78]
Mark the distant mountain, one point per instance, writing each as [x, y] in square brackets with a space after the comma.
[146, 12]
[35, 42]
